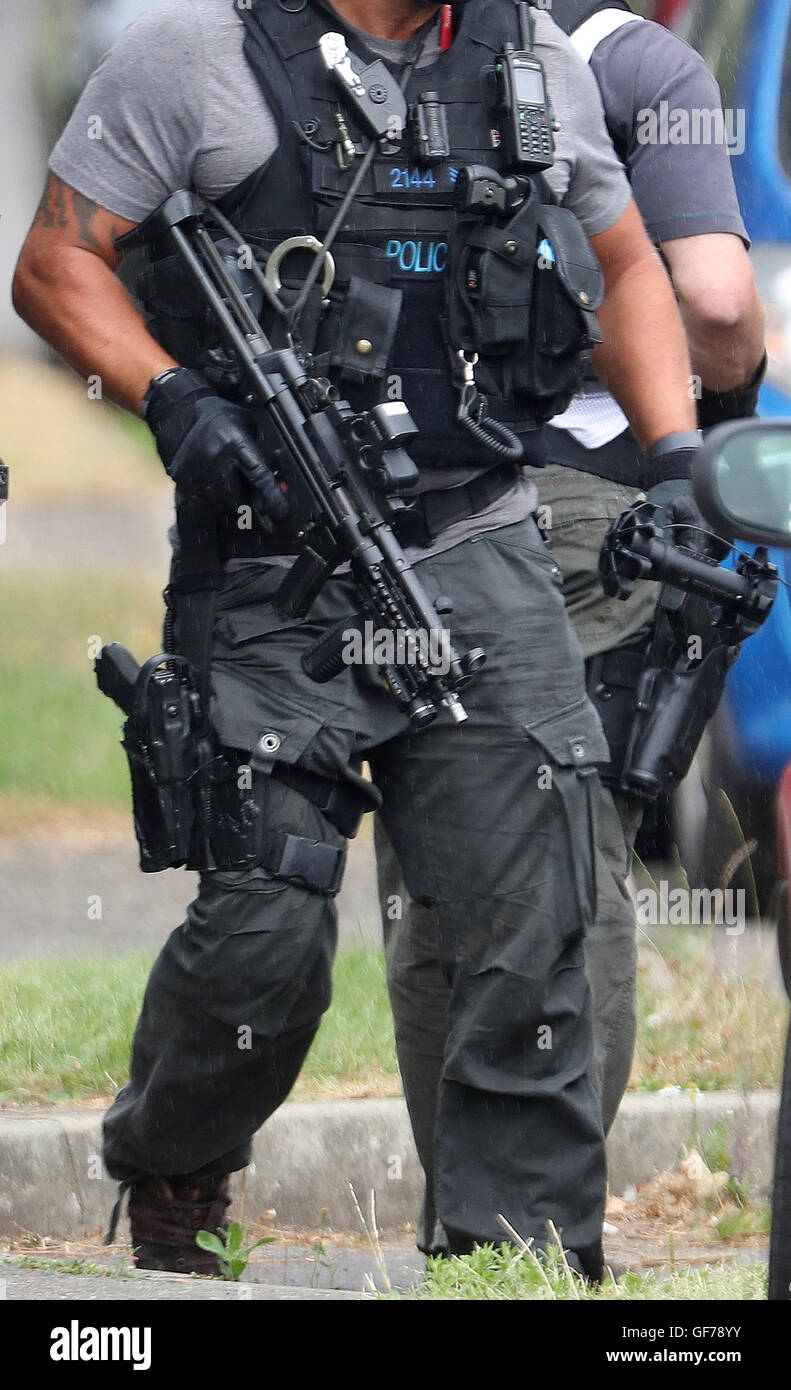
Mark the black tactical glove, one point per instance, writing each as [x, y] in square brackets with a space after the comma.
[207, 445]
[670, 461]
[715, 407]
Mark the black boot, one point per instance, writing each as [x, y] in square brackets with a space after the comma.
[165, 1215]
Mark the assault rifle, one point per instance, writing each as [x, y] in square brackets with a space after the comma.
[345, 473]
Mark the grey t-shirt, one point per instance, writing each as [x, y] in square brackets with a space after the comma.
[179, 106]
[174, 104]
[662, 106]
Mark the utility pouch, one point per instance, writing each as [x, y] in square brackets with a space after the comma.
[174, 313]
[523, 296]
[367, 325]
[178, 317]
[569, 287]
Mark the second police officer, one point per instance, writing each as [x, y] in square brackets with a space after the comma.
[596, 468]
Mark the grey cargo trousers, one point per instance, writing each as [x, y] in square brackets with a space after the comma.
[576, 509]
[493, 823]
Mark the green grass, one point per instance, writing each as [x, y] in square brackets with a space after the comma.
[702, 1026]
[355, 1042]
[503, 1273]
[63, 735]
[68, 1022]
[67, 1025]
[743, 1220]
[118, 1270]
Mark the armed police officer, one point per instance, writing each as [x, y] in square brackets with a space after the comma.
[438, 246]
[687, 199]
[595, 471]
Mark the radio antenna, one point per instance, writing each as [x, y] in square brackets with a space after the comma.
[526, 26]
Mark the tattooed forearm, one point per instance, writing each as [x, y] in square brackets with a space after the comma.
[65, 288]
[86, 224]
[85, 211]
[52, 208]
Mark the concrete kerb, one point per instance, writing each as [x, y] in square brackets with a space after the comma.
[309, 1157]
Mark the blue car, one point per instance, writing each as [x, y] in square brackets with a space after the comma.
[747, 45]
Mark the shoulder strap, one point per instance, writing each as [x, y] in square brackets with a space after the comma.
[261, 54]
[598, 27]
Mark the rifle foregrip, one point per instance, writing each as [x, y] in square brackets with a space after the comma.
[326, 658]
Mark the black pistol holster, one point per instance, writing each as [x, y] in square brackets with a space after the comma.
[192, 805]
[160, 744]
[199, 806]
[655, 695]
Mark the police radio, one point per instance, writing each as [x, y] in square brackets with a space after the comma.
[524, 117]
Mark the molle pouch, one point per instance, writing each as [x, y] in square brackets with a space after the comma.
[173, 313]
[491, 282]
[179, 319]
[523, 296]
[366, 333]
[568, 289]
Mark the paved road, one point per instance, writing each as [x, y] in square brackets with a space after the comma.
[288, 1268]
[40, 1286]
[49, 890]
[92, 534]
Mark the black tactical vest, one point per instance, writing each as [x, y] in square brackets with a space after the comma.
[384, 331]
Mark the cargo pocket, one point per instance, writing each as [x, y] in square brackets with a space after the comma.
[261, 699]
[525, 973]
[527, 536]
[576, 747]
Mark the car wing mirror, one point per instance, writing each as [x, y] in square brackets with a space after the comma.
[742, 480]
